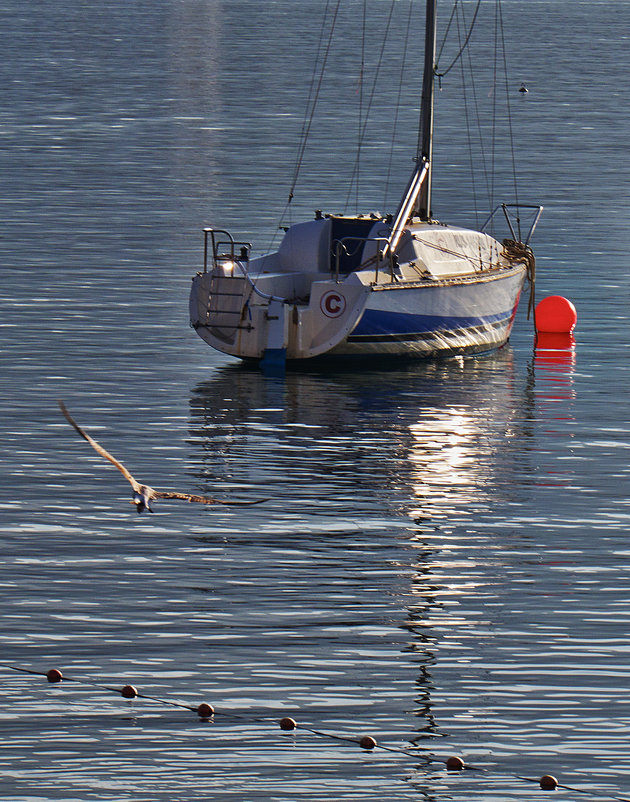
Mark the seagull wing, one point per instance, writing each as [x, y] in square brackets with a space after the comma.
[166, 494]
[203, 499]
[97, 447]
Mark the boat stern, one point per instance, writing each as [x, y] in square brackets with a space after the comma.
[297, 315]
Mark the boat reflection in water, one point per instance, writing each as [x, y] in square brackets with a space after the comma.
[430, 438]
[410, 479]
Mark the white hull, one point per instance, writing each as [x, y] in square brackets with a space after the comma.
[440, 320]
[450, 291]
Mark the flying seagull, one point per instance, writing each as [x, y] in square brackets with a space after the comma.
[143, 494]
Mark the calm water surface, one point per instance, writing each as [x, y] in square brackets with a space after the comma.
[443, 562]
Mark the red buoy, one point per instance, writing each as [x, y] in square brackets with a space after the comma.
[555, 314]
[454, 763]
[287, 724]
[54, 675]
[129, 692]
[367, 742]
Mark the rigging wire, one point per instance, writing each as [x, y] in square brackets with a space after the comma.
[313, 105]
[403, 69]
[311, 88]
[313, 97]
[463, 47]
[379, 63]
[509, 118]
[446, 31]
[360, 90]
[467, 115]
[493, 137]
[488, 144]
[463, 57]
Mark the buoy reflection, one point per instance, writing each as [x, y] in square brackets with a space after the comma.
[554, 362]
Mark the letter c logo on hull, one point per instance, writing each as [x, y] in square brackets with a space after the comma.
[332, 304]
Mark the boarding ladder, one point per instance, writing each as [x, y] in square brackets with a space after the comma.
[222, 254]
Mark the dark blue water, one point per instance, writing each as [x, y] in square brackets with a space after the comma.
[443, 562]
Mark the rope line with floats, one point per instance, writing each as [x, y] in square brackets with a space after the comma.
[207, 712]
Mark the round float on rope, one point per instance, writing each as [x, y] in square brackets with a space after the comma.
[548, 783]
[454, 763]
[287, 724]
[555, 315]
[367, 742]
[54, 675]
[129, 692]
[204, 710]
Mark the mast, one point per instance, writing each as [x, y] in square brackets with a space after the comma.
[425, 141]
[417, 197]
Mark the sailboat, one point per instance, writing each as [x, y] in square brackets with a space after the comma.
[368, 285]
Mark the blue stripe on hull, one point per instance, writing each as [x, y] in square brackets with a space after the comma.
[376, 323]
